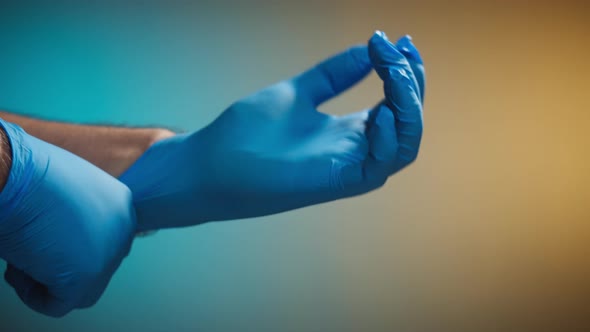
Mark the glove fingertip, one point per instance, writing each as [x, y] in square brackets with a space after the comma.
[382, 49]
[384, 55]
[405, 46]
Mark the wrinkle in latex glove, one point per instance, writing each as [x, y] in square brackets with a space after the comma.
[275, 151]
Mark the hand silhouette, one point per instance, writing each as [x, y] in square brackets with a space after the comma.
[274, 151]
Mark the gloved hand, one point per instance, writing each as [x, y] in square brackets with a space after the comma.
[274, 151]
[65, 226]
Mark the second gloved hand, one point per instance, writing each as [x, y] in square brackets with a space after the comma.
[65, 225]
[274, 151]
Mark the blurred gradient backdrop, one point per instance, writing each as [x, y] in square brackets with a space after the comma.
[488, 231]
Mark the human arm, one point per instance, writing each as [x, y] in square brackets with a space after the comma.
[111, 148]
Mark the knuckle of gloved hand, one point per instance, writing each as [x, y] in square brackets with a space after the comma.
[85, 295]
[380, 181]
[409, 157]
[91, 270]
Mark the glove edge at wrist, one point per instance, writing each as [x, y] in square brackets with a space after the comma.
[24, 160]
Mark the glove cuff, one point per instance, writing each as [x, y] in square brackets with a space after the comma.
[21, 172]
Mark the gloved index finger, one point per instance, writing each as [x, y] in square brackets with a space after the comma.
[407, 48]
[333, 75]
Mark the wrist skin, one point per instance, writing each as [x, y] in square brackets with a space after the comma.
[112, 149]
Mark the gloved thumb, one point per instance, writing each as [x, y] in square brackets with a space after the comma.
[34, 294]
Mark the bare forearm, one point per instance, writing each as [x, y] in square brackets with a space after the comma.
[112, 149]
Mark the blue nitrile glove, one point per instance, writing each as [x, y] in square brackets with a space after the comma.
[65, 226]
[274, 151]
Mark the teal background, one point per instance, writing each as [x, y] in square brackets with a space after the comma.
[488, 231]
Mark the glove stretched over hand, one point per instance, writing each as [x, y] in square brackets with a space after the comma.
[274, 151]
[65, 226]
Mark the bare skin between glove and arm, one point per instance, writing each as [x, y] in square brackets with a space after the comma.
[111, 148]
